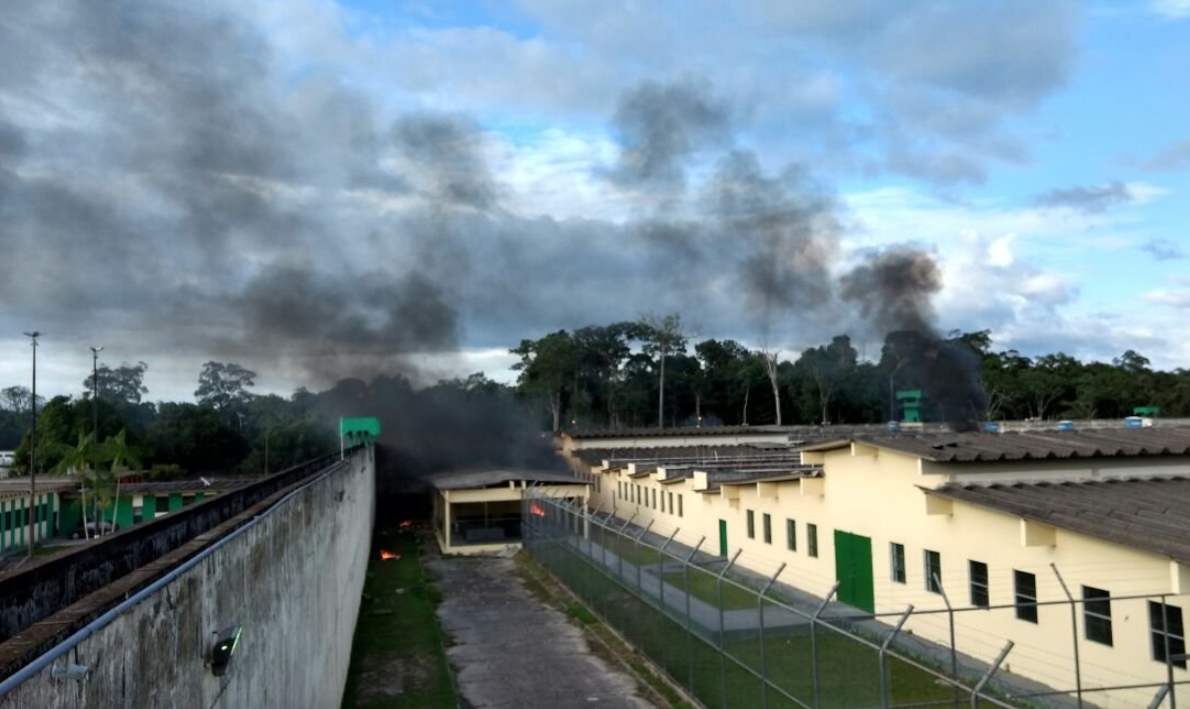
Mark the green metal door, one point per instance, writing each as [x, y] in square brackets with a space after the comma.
[722, 537]
[853, 570]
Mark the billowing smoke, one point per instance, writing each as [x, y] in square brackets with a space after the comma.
[165, 175]
[893, 290]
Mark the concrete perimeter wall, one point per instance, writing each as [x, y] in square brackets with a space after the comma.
[293, 581]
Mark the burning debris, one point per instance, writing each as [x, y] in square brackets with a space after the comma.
[386, 555]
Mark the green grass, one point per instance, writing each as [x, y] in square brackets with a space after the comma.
[702, 585]
[631, 552]
[848, 674]
[397, 660]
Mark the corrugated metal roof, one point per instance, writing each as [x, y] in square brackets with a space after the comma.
[486, 477]
[699, 453]
[655, 432]
[1152, 514]
[1031, 445]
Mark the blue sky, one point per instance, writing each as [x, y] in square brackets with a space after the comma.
[287, 183]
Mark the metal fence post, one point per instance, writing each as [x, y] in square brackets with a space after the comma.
[619, 551]
[722, 651]
[1160, 697]
[636, 561]
[689, 628]
[884, 679]
[661, 569]
[1078, 675]
[1173, 691]
[764, 675]
[814, 643]
[954, 653]
[988, 675]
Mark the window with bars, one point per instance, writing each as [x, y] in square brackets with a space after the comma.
[654, 496]
[812, 540]
[1168, 633]
[1097, 615]
[978, 571]
[679, 504]
[791, 535]
[751, 524]
[768, 528]
[896, 562]
[1025, 585]
[933, 569]
[671, 503]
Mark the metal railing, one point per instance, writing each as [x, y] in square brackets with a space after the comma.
[734, 638]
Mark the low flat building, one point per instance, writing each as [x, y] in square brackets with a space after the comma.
[1004, 528]
[479, 511]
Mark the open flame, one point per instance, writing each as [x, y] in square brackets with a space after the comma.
[406, 524]
[535, 509]
[385, 555]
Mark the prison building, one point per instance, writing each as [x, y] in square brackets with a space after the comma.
[1011, 530]
[479, 511]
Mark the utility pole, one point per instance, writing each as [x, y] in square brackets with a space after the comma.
[95, 393]
[33, 447]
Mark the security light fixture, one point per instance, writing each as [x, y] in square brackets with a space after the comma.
[78, 673]
[226, 642]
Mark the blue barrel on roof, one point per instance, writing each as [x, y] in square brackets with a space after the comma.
[1065, 425]
[894, 426]
[991, 427]
[1134, 422]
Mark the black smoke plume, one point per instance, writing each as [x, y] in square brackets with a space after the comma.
[894, 290]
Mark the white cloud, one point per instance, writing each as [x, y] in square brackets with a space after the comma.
[1000, 251]
[1171, 9]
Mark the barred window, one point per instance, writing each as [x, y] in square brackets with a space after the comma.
[812, 540]
[1026, 595]
[751, 524]
[791, 535]
[933, 564]
[978, 571]
[896, 554]
[1097, 615]
[1167, 633]
[768, 528]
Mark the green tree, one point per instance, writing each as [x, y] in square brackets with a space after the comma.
[547, 368]
[661, 336]
[224, 386]
[125, 383]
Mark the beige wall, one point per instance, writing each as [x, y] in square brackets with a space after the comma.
[876, 494]
[444, 510]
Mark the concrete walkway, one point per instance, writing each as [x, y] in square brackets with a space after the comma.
[510, 651]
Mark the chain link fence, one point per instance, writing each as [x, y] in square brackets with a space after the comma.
[735, 639]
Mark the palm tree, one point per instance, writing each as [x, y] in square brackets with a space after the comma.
[80, 459]
[123, 457]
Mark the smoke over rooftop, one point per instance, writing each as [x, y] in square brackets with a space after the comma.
[183, 185]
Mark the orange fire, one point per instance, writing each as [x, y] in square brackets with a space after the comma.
[385, 555]
[535, 509]
[406, 524]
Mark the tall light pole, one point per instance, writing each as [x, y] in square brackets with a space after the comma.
[95, 393]
[33, 445]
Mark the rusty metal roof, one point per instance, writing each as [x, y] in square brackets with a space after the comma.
[1029, 445]
[655, 432]
[1152, 514]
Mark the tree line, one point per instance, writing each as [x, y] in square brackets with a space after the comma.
[647, 373]
[228, 430]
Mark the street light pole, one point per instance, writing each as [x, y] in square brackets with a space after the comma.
[95, 393]
[33, 446]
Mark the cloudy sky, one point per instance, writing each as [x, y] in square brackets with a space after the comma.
[318, 189]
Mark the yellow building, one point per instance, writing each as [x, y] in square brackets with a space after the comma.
[1001, 526]
[479, 511]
